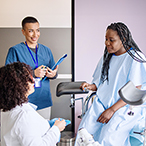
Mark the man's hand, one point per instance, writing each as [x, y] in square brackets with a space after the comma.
[51, 73]
[40, 71]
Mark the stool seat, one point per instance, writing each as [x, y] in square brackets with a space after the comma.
[69, 88]
[132, 95]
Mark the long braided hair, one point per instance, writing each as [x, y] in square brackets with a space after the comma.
[127, 41]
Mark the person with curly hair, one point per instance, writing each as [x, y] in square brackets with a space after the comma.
[123, 61]
[21, 124]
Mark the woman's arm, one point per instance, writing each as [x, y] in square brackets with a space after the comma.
[33, 130]
[108, 113]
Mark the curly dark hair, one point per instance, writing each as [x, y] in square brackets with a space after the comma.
[14, 80]
[127, 41]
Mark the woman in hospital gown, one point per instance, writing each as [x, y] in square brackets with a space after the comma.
[107, 118]
[21, 124]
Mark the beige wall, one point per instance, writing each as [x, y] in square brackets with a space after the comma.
[51, 13]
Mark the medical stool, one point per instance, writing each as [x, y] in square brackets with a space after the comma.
[69, 88]
[134, 97]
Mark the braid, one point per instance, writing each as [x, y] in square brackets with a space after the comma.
[105, 67]
[127, 41]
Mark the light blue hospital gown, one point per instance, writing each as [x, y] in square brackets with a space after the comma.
[116, 132]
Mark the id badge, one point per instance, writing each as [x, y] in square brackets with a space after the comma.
[37, 83]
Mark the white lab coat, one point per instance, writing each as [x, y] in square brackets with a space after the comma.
[23, 126]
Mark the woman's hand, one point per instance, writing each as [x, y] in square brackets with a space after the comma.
[87, 86]
[51, 73]
[60, 124]
[106, 115]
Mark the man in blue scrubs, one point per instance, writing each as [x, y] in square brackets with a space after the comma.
[40, 58]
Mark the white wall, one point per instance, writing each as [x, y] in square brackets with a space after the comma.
[91, 19]
[51, 13]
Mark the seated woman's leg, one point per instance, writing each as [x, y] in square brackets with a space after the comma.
[116, 131]
[89, 121]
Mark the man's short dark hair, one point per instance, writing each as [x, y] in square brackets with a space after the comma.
[28, 19]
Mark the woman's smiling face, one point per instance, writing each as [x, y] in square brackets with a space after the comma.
[113, 42]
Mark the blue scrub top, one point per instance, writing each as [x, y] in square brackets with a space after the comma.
[42, 96]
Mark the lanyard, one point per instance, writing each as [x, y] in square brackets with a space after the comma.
[35, 61]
